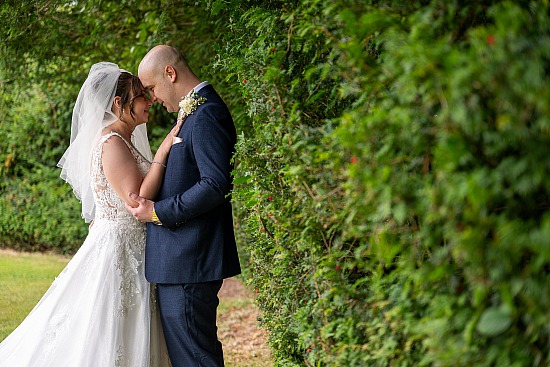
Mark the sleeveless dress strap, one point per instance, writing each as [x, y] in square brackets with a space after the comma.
[132, 148]
[106, 137]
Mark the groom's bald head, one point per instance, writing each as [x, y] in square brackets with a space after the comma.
[161, 56]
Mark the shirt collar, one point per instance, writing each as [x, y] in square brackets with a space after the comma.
[200, 86]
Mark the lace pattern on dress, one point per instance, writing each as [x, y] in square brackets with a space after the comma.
[57, 327]
[120, 361]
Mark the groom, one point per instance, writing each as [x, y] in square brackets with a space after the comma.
[190, 240]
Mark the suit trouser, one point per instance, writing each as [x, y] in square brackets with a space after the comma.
[188, 314]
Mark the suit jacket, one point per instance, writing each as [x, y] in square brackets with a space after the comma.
[196, 242]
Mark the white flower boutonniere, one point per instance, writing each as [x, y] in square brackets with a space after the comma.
[189, 104]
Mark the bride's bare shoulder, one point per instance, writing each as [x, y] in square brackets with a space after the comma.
[115, 148]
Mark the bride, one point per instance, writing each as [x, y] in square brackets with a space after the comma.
[100, 311]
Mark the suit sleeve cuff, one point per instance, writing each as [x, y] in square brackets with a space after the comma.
[167, 212]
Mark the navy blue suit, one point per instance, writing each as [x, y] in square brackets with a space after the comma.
[194, 250]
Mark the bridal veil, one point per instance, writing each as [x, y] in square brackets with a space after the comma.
[91, 114]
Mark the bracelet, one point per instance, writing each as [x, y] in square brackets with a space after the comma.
[157, 162]
[155, 219]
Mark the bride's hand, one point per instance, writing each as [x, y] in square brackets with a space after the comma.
[171, 138]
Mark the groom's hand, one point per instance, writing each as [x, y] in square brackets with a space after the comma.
[144, 209]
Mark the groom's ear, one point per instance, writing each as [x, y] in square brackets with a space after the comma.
[170, 72]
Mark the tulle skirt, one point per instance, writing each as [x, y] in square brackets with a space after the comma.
[99, 312]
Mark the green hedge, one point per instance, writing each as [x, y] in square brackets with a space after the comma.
[37, 210]
[394, 180]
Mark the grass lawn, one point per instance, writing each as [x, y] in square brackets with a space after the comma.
[24, 278]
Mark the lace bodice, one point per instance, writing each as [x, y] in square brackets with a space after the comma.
[108, 205]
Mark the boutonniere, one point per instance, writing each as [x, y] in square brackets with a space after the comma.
[189, 104]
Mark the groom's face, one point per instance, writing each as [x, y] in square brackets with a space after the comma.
[159, 88]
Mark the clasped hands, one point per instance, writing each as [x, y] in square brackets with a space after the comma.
[144, 209]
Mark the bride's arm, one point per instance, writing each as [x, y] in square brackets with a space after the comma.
[151, 182]
[120, 167]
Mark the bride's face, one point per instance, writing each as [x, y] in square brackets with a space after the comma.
[141, 108]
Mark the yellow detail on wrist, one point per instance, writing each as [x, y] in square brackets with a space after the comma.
[155, 218]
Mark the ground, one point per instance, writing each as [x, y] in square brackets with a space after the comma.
[244, 343]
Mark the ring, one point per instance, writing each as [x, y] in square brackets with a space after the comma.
[176, 140]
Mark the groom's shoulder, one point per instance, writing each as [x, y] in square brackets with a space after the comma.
[215, 102]
[212, 110]
[214, 106]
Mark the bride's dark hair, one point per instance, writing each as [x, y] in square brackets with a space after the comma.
[128, 89]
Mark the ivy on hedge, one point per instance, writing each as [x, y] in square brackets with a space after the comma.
[394, 180]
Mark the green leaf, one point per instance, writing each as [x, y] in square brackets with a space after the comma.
[218, 6]
[241, 180]
[494, 321]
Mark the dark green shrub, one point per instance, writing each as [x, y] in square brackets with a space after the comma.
[393, 181]
[38, 210]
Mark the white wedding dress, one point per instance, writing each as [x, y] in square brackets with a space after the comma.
[100, 311]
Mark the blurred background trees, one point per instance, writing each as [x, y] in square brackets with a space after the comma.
[392, 173]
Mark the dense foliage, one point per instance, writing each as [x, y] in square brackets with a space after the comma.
[396, 181]
[392, 180]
